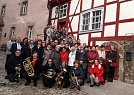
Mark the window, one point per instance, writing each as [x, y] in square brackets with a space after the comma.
[91, 20]
[30, 32]
[63, 11]
[24, 8]
[3, 9]
[12, 32]
[0, 34]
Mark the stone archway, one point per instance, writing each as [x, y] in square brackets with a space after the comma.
[121, 57]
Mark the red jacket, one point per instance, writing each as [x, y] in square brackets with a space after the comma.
[97, 71]
[92, 55]
[64, 56]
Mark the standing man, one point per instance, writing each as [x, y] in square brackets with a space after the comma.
[13, 66]
[81, 56]
[8, 52]
[17, 46]
[111, 58]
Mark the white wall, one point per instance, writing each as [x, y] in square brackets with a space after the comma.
[111, 0]
[109, 31]
[126, 10]
[53, 12]
[95, 34]
[84, 38]
[110, 13]
[54, 24]
[100, 42]
[98, 2]
[126, 28]
[73, 7]
[86, 4]
[74, 23]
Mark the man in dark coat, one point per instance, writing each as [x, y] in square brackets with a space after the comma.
[81, 56]
[17, 45]
[13, 66]
[76, 75]
[111, 57]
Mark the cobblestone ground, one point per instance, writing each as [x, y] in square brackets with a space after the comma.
[7, 88]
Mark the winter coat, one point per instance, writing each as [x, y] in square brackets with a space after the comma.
[92, 55]
[55, 56]
[46, 56]
[97, 71]
[64, 56]
[78, 72]
[12, 62]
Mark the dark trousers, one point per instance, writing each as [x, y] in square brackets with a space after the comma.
[7, 57]
[48, 82]
[111, 73]
[28, 78]
[12, 77]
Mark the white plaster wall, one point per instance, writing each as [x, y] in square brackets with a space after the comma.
[74, 23]
[91, 43]
[109, 31]
[98, 2]
[73, 7]
[126, 28]
[86, 4]
[75, 35]
[84, 38]
[126, 10]
[96, 34]
[111, 13]
[111, 0]
[53, 12]
[100, 42]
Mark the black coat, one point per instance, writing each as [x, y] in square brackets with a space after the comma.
[46, 67]
[12, 63]
[111, 55]
[39, 50]
[14, 48]
[78, 72]
[65, 74]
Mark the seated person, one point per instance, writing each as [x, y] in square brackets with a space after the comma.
[76, 75]
[32, 73]
[49, 71]
[96, 73]
[13, 66]
[63, 76]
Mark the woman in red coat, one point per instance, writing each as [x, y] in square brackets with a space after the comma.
[64, 55]
[92, 55]
[96, 73]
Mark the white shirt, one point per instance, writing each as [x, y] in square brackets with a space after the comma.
[19, 46]
[71, 58]
[103, 55]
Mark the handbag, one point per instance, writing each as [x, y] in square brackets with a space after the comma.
[113, 64]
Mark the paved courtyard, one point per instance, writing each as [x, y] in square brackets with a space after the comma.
[7, 88]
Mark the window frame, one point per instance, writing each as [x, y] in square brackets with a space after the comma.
[10, 35]
[21, 12]
[4, 5]
[0, 34]
[29, 31]
[90, 22]
[63, 9]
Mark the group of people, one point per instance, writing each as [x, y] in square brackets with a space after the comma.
[59, 59]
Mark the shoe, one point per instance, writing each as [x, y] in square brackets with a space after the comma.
[72, 87]
[78, 87]
[6, 77]
[98, 84]
[16, 80]
[35, 84]
[91, 85]
[27, 83]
